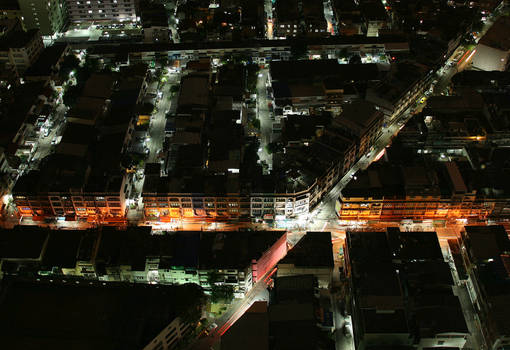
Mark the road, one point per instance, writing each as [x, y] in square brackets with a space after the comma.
[158, 122]
[234, 312]
[325, 212]
[264, 115]
[324, 217]
[268, 9]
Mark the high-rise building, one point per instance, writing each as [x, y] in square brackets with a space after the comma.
[112, 10]
[48, 16]
[9, 9]
[20, 49]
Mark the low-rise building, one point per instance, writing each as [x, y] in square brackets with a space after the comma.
[84, 177]
[485, 251]
[375, 16]
[154, 23]
[314, 23]
[312, 255]
[237, 260]
[493, 49]
[309, 85]
[251, 331]
[465, 184]
[298, 316]
[402, 291]
[348, 17]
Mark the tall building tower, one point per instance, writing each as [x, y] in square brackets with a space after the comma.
[101, 10]
[49, 16]
[9, 9]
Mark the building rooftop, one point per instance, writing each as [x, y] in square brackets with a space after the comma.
[53, 176]
[62, 249]
[414, 245]
[9, 5]
[358, 116]
[313, 250]
[13, 114]
[99, 86]
[251, 44]
[497, 35]
[487, 241]
[47, 60]
[234, 250]
[251, 331]
[24, 242]
[194, 91]
[287, 11]
[121, 247]
[373, 10]
[319, 70]
[384, 322]
[466, 102]
[294, 289]
[435, 320]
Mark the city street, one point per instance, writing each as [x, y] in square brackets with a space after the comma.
[323, 218]
[158, 122]
[264, 115]
[234, 312]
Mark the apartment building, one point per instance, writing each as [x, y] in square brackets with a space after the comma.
[20, 49]
[50, 17]
[101, 10]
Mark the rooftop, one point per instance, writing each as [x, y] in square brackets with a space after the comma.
[414, 245]
[62, 249]
[313, 250]
[487, 241]
[23, 242]
[384, 322]
[234, 250]
[497, 35]
[47, 60]
[251, 331]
